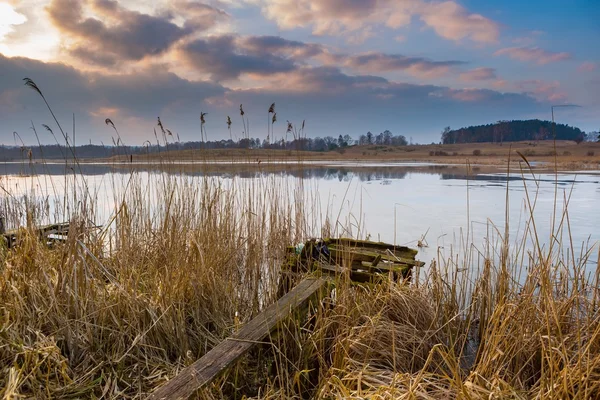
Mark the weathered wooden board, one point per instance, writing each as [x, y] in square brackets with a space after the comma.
[43, 229]
[400, 251]
[364, 254]
[364, 274]
[43, 232]
[355, 275]
[227, 352]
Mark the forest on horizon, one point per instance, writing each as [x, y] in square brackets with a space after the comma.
[502, 131]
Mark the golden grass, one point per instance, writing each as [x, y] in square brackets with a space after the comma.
[569, 155]
[115, 313]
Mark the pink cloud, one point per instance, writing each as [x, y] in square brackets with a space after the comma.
[529, 39]
[587, 67]
[319, 80]
[543, 90]
[478, 74]
[533, 54]
[454, 22]
[464, 95]
[468, 95]
[374, 62]
[340, 17]
[500, 83]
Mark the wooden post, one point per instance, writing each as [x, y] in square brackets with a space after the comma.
[207, 368]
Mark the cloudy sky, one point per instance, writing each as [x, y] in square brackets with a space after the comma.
[344, 66]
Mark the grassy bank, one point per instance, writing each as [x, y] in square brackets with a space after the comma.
[564, 155]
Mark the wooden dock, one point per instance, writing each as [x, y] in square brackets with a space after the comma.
[48, 233]
[362, 261]
[207, 368]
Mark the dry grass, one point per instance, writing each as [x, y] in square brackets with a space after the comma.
[115, 313]
[179, 269]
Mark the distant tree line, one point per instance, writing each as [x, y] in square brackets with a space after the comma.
[513, 131]
[11, 153]
[385, 138]
[320, 144]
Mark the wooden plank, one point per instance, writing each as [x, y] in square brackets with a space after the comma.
[401, 251]
[363, 254]
[63, 227]
[207, 368]
[382, 267]
[355, 276]
[11, 235]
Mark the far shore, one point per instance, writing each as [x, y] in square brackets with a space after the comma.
[475, 158]
[543, 155]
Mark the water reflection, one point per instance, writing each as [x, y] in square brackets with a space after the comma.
[362, 172]
[393, 203]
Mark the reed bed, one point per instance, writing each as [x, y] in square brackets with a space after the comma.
[114, 312]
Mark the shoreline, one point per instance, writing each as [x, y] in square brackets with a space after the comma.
[541, 156]
[475, 158]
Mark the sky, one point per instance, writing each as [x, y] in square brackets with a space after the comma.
[343, 66]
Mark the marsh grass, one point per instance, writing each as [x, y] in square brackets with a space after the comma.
[181, 263]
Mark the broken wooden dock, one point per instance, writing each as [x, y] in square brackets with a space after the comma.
[214, 362]
[47, 233]
[362, 261]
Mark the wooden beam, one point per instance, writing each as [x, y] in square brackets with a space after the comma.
[43, 232]
[363, 254]
[207, 368]
[401, 251]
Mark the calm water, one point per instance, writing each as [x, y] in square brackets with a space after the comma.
[398, 203]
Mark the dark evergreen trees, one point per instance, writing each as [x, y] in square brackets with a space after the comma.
[512, 131]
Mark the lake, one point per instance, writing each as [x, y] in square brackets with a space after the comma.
[441, 207]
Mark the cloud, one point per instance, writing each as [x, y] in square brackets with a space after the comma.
[529, 39]
[278, 45]
[587, 67]
[326, 17]
[8, 19]
[227, 57]
[93, 57]
[543, 90]
[36, 37]
[500, 83]
[451, 21]
[123, 34]
[198, 16]
[478, 74]
[142, 95]
[376, 62]
[355, 105]
[533, 54]
[341, 17]
[330, 100]
[469, 95]
[322, 79]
